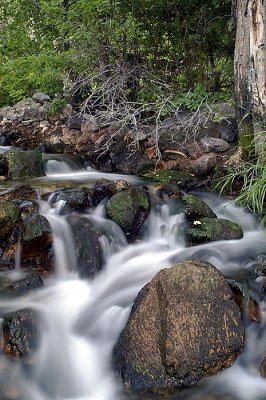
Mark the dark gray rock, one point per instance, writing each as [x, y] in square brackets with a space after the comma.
[75, 199]
[23, 286]
[41, 97]
[87, 246]
[195, 208]
[75, 122]
[184, 325]
[215, 145]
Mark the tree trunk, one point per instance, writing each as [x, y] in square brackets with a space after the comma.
[250, 72]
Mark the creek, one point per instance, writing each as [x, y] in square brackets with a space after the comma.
[81, 320]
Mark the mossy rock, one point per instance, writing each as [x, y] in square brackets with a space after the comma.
[211, 229]
[24, 164]
[184, 325]
[9, 218]
[20, 333]
[165, 176]
[195, 208]
[87, 244]
[129, 209]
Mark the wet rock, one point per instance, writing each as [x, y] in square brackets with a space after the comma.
[210, 229]
[27, 206]
[247, 303]
[19, 288]
[36, 236]
[20, 333]
[75, 199]
[9, 218]
[205, 163]
[104, 188]
[195, 208]
[24, 164]
[6, 265]
[87, 246]
[215, 145]
[17, 192]
[3, 165]
[129, 209]
[183, 326]
[171, 190]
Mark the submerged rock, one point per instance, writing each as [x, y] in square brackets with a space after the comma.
[9, 218]
[210, 229]
[24, 164]
[18, 192]
[183, 326]
[18, 288]
[75, 199]
[129, 209]
[87, 246]
[195, 208]
[20, 333]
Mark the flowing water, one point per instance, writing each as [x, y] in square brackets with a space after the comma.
[81, 320]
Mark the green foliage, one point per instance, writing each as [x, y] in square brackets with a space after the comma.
[56, 105]
[195, 99]
[249, 178]
[56, 46]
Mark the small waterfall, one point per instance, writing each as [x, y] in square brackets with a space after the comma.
[81, 319]
[65, 260]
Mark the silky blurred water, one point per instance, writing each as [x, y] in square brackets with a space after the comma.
[81, 320]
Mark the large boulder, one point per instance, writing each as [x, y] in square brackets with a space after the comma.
[87, 245]
[211, 229]
[9, 218]
[184, 325]
[129, 209]
[24, 164]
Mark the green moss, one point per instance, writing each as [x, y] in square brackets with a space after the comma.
[124, 206]
[138, 366]
[210, 229]
[24, 164]
[165, 176]
[196, 208]
[9, 217]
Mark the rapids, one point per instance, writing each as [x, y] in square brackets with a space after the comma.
[81, 320]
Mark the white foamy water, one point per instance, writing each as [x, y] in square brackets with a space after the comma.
[61, 170]
[81, 320]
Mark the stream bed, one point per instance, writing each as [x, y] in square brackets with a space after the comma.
[81, 319]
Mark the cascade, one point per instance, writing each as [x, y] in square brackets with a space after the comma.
[80, 320]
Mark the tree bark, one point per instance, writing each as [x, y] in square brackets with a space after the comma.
[250, 72]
